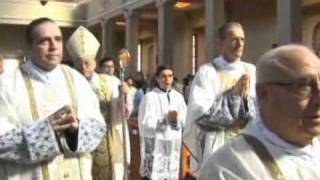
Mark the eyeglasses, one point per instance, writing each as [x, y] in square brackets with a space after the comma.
[302, 90]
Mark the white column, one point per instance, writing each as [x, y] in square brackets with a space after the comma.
[132, 38]
[289, 21]
[165, 32]
[214, 18]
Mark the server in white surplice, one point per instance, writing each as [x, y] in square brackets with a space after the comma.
[161, 119]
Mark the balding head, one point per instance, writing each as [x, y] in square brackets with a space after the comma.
[288, 81]
[285, 63]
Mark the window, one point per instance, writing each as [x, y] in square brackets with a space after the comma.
[194, 53]
[139, 58]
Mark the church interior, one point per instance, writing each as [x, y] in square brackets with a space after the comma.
[178, 33]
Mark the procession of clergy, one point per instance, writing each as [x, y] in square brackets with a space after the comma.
[242, 121]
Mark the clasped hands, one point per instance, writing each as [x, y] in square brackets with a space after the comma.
[241, 88]
[173, 118]
[64, 120]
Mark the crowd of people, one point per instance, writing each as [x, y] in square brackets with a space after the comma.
[238, 121]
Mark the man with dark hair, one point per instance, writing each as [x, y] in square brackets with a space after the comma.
[30, 29]
[282, 142]
[221, 98]
[161, 120]
[107, 66]
[50, 118]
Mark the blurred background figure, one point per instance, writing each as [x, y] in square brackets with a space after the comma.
[107, 66]
[132, 90]
[177, 85]
[141, 86]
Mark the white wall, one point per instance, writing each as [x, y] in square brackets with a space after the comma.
[311, 18]
[103, 8]
[182, 57]
[23, 11]
[258, 18]
[12, 39]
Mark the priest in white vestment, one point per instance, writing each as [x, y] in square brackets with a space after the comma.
[221, 99]
[108, 158]
[283, 142]
[50, 118]
[161, 120]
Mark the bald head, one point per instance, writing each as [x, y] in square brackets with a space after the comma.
[285, 64]
[288, 92]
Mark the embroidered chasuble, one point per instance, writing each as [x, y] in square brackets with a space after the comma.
[227, 82]
[29, 97]
[213, 108]
[110, 150]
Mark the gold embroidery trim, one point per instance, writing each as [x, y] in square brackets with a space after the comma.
[74, 102]
[35, 115]
[71, 90]
[264, 155]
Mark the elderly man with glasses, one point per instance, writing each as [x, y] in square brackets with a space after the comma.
[283, 142]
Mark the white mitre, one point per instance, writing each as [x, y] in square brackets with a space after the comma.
[82, 44]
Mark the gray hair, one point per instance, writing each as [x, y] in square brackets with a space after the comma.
[277, 64]
[223, 31]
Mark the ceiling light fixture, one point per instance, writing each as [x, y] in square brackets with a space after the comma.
[120, 23]
[43, 2]
[182, 4]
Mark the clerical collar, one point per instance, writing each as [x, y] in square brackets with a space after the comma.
[164, 90]
[224, 64]
[40, 74]
[273, 138]
[228, 62]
